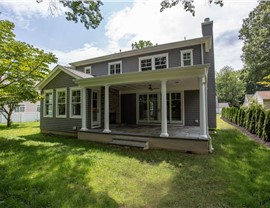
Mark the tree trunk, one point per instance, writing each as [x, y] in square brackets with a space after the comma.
[9, 121]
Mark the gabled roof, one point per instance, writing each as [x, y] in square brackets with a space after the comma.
[264, 95]
[71, 72]
[157, 48]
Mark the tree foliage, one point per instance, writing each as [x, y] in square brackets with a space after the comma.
[141, 44]
[230, 88]
[187, 4]
[21, 67]
[255, 33]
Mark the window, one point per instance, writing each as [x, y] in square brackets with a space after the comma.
[87, 70]
[19, 108]
[75, 103]
[187, 57]
[115, 68]
[48, 103]
[61, 99]
[38, 108]
[153, 62]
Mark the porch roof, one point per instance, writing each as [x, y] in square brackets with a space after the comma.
[145, 76]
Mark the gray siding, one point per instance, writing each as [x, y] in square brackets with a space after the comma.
[207, 30]
[192, 107]
[131, 64]
[62, 80]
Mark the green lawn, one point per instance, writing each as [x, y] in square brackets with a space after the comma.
[52, 171]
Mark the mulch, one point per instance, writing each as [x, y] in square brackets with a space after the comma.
[247, 133]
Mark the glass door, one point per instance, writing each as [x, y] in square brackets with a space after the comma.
[148, 108]
[95, 108]
[174, 107]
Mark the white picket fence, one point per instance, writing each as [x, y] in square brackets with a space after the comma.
[22, 117]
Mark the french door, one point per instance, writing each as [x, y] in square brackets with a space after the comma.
[95, 106]
[174, 107]
[148, 105]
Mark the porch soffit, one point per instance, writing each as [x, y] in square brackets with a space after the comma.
[146, 76]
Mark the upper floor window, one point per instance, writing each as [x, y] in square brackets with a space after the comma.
[61, 99]
[115, 68]
[75, 102]
[87, 70]
[187, 57]
[153, 62]
[20, 108]
[48, 103]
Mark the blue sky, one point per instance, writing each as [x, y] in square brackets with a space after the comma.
[124, 23]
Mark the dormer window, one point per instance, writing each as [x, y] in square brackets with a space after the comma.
[187, 57]
[153, 62]
[87, 70]
[115, 68]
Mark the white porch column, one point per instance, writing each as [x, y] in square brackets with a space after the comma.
[106, 111]
[203, 120]
[164, 132]
[83, 97]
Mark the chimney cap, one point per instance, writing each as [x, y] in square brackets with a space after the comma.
[207, 19]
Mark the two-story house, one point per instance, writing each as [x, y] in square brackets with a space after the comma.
[162, 96]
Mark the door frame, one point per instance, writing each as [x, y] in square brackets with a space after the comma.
[98, 124]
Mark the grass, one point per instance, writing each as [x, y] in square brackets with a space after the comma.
[52, 171]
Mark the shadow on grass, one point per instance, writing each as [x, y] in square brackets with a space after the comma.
[39, 172]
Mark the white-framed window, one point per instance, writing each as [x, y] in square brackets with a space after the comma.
[155, 62]
[61, 103]
[48, 103]
[19, 108]
[87, 70]
[115, 68]
[187, 57]
[38, 108]
[75, 102]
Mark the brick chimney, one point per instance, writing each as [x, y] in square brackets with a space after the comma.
[207, 27]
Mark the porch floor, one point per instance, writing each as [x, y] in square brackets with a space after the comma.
[174, 131]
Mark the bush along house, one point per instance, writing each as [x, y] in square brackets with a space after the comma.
[157, 97]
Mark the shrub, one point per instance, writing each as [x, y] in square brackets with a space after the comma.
[260, 123]
[266, 127]
[252, 121]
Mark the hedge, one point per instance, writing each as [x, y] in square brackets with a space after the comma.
[254, 118]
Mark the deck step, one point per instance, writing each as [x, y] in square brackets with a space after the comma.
[130, 142]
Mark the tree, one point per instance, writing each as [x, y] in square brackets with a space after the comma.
[255, 33]
[21, 67]
[141, 44]
[187, 4]
[265, 82]
[88, 11]
[230, 88]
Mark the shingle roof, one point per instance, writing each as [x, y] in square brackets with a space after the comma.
[265, 95]
[78, 73]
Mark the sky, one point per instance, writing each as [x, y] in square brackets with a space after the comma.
[127, 21]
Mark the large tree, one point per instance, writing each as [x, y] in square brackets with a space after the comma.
[88, 11]
[21, 67]
[255, 33]
[141, 44]
[229, 87]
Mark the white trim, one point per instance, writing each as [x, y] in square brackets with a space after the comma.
[53, 74]
[83, 109]
[56, 103]
[153, 61]
[106, 109]
[88, 68]
[114, 63]
[99, 108]
[191, 56]
[44, 104]
[70, 102]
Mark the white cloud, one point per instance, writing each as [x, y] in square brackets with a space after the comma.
[145, 21]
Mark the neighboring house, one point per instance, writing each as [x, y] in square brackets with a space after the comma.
[219, 106]
[247, 99]
[167, 89]
[263, 98]
[24, 112]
